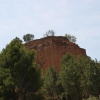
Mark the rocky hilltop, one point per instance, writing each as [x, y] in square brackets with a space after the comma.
[50, 50]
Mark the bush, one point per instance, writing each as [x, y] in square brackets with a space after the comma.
[92, 98]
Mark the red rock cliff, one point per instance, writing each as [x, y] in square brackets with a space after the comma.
[51, 49]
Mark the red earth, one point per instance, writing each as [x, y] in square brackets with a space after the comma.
[50, 50]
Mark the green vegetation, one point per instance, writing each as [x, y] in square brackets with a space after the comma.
[92, 98]
[28, 37]
[50, 79]
[21, 79]
[71, 38]
[49, 33]
[19, 39]
[77, 79]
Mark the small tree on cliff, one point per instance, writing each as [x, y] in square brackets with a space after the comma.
[71, 38]
[28, 37]
[49, 33]
[20, 76]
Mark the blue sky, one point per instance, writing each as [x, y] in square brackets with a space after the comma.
[80, 18]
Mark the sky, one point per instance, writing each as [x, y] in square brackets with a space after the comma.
[80, 18]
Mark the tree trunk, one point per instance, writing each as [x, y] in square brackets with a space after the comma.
[14, 95]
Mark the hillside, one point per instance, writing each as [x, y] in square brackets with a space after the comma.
[51, 49]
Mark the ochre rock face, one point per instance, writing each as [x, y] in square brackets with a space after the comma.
[50, 50]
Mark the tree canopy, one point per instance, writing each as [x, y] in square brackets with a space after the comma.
[28, 37]
[50, 79]
[49, 33]
[20, 77]
[19, 39]
[71, 38]
[78, 77]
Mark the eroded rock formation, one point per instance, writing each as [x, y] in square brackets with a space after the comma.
[50, 50]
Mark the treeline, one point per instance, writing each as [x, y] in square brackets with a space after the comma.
[29, 37]
[78, 79]
[21, 78]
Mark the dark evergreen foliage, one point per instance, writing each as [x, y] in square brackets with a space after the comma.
[20, 76]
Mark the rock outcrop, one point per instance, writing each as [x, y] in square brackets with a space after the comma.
[50, 50]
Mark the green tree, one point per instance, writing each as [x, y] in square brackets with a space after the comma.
[24, 76]
[28, 37]
[19, 39]
[95, 78]
[71, 38]
[75, 76]
[60, 92]
[49, 33]
[6, 83]
[50, 79]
